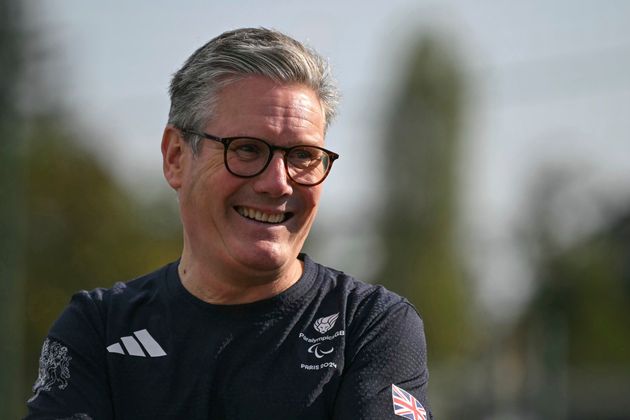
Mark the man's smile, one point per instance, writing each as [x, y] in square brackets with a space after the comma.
[264, 217]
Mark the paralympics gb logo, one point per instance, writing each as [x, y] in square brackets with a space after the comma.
[324, 324]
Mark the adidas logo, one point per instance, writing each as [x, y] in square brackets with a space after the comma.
[132, 345]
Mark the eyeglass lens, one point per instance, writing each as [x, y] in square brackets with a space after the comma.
[305, 164]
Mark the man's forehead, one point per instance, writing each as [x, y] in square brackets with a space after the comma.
[261, 96]
[267, 89]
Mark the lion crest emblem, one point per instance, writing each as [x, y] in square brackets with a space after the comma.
[54, 368]
[324, 324]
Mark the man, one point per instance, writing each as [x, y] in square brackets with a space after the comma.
[243, 326]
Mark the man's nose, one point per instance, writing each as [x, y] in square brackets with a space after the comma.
[274, 180]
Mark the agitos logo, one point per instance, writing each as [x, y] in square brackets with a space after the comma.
[314, 349]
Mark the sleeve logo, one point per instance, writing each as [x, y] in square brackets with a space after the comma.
[54, 368]
[405, 405]
[323, 325]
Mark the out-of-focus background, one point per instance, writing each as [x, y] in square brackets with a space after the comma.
[484, 172]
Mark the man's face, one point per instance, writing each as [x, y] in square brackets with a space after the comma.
[233, 221]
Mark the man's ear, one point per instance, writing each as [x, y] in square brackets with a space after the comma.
[173, 156]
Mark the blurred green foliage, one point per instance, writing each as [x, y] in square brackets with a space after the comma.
[589, 284]
[11, 202]
[577, 327]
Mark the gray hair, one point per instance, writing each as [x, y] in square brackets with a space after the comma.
[235, 55]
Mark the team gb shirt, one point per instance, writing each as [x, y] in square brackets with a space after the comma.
[329, 347]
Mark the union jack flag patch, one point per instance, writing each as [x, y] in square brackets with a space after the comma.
[405, 405]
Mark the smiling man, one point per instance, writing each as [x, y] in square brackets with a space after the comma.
[243, 325]
[244, 209]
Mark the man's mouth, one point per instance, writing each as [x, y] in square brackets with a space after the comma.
[263, 217]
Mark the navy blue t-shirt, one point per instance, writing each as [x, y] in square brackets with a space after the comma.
[329, 347]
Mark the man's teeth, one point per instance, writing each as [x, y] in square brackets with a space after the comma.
[260, 216]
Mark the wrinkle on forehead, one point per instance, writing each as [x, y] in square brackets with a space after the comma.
[298, 115]
[285, 102]
[281, 107]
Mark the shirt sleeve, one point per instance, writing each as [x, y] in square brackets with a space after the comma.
[72, 381]
[388, 364]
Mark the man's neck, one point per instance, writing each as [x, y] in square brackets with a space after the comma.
[222, 287]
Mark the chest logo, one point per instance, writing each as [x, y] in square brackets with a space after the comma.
[324, 324]
[132, 345]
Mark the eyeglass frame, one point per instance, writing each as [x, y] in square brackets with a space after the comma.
[226, 141]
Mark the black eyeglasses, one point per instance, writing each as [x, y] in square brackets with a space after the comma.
[247, 157]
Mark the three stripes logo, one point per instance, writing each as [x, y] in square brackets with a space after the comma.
[133, 345]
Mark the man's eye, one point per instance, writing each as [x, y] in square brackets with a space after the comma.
[306, 158]
[303, 154]
[306, 154]
[247, 150]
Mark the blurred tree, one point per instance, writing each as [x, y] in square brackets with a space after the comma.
[574, 338]
[11, 291]
[580, 322]
[83, 230]
[420, 216]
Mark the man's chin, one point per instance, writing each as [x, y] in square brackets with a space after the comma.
[268, 259]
